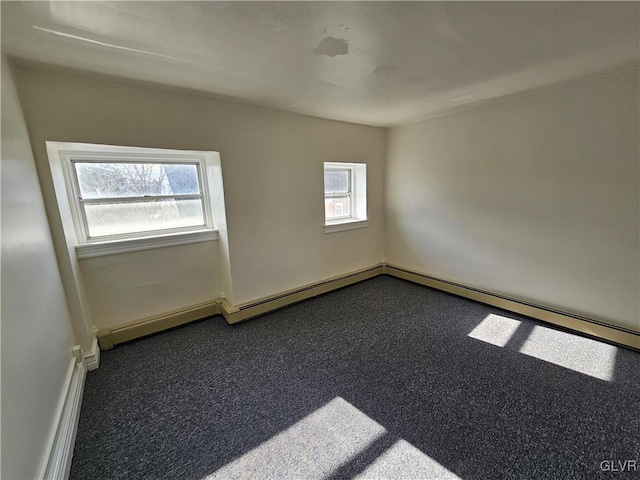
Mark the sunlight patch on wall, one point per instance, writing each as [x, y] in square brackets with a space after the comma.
[311, 449]
[495, 329]
[577, 353]
[403, 460]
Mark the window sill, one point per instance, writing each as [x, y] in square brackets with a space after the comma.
[112, 247]
[343, 225]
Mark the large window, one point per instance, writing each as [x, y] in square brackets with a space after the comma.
[135, 197]
[345, 196]
[130, 198]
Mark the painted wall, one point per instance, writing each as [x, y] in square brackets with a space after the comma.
[37, 336]
[272, 164]
[534, 197]
[117, 283]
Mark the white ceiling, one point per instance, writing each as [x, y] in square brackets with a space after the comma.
[377, 63]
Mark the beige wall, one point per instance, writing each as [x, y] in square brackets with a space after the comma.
[130, 286]
[535, 197]
[268, 159]
[37, 336]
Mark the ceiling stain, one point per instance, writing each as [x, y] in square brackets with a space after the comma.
[416, 81]
[332, 47]
[385, 70]
[283, 18]
[276, 24]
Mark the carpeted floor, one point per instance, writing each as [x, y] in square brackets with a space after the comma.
[378, 380]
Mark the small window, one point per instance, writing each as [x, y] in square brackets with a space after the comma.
[337, 193]
[345, 196]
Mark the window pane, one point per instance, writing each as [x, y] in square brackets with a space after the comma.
[108, 180]
[337, 181]
[136, 217]
[337, 207]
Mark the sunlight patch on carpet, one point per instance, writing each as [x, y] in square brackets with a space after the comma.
[312, 448]
[495, 329]
[576, 353]
[403, 461]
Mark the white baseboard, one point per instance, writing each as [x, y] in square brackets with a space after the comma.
[56, 464]
[92, 357]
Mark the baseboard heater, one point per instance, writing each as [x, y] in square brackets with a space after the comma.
[268, 304]
[107, 338]
[233, 314]
[596, 328]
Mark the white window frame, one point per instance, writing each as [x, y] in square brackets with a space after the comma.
[349, 193]
[357, 217]
[62, 157]
[82, 226]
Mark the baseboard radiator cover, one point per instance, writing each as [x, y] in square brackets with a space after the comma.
[157, 323]
[110, 337]
[593, 327]
[235, 314]
[56, 463]
[259, 307]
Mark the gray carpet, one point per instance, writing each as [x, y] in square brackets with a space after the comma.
[377, 380]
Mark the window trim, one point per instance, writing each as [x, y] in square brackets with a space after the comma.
[99, 249]
[342, 226]
[357, 194]
[61, 158]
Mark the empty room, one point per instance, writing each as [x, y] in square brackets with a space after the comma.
[320, 240]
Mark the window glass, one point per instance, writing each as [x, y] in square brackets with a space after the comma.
[337, 207]
[136, 217]
[119, 198]
[337, 181]
[109, 180]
